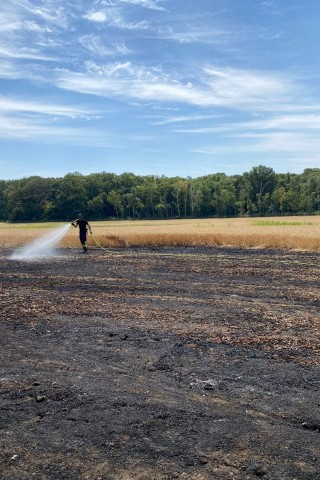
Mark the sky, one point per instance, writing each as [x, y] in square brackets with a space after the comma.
[158, 87]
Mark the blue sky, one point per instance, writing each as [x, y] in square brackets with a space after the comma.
[158, 87]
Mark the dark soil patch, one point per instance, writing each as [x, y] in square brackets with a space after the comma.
[158, 364]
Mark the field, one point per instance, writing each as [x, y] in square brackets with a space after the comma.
[176, 356]
[300, 233]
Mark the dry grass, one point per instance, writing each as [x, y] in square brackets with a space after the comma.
[298, 233]
[304, 234]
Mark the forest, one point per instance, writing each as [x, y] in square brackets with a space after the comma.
[259, 192]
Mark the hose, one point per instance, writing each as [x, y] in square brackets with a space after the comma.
[98, 244]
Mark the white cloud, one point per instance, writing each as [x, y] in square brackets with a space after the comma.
[287, 122]
[225, 88]
[21, 26]
[27, 30]
[296, 144]
[23, 53]
[27, 120]
[113, 17]
[99, 17]
[9, 105]
[252, 129]
[20, 128]
[8, 70]
[152, 4]
[95, 45]
[126, 81]
[249, 110]
[238, 87]
[25, 14]
[182, 118]
[274, 144]
[192, 34]
[49, 132]
[267, 3]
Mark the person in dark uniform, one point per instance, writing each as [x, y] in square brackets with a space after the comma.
[84, 226]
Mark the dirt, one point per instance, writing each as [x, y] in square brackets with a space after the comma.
[158, 364]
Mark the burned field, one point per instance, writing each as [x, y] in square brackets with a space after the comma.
[195, 363]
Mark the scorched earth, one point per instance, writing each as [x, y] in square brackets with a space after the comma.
[158, 364]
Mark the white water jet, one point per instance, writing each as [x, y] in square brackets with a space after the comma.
[43, 247]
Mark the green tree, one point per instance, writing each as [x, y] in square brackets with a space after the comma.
[115, 200]
[27, 199]
[262, 181]
[103, 195]
[310, 190]
[133, 204]
[279, 199]
[4, 186]
[96, 206]
[71, 197]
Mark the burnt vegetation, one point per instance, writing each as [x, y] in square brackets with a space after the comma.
[159, 364]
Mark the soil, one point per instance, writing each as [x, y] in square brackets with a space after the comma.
[158, 364]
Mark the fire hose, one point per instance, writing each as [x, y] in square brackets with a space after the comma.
[97, 243]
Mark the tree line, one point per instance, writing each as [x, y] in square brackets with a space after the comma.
[260, 192]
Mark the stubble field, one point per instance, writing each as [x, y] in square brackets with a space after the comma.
[160, 362]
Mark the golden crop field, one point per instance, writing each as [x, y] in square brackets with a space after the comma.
[297, 233]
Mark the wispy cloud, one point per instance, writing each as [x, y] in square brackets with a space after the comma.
[228, 88]
[26, 128]
[284, 142]
[9, 105]
[238, 87]
[301, 122]
[252, 128]
[11, 69]
[152, 4]
[194, 34]
[23, 119]
[182, 119]
[19, 26]
[34, 16]
[24, 53]
[60, 125]
[114, 18]
[304, 148]
[99, 17]
[128, 82]
[96, 46]
[39, 129]
[185, 66]
[27, 30]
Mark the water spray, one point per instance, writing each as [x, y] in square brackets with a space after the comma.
[43, 247]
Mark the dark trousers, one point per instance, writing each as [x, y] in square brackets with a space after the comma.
[83, 237]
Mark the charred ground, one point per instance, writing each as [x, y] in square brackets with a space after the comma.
[195, 363]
